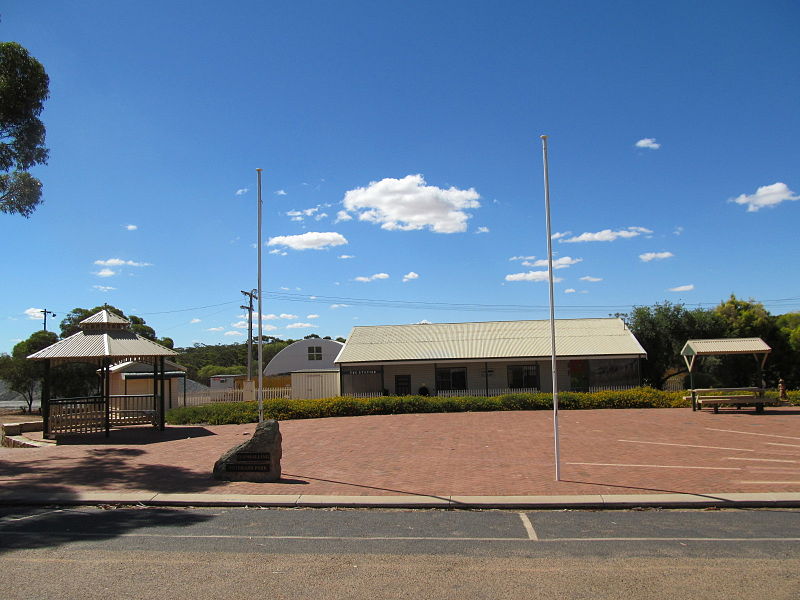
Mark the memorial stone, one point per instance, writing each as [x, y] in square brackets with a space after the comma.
[258, 459]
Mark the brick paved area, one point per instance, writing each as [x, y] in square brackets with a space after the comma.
[501, 453]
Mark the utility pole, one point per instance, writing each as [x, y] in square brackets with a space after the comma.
[249, 308]
[46, 312]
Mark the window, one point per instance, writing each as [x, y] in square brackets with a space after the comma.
[523, 376]
[402, 385]
[451, 379]
[315, 353]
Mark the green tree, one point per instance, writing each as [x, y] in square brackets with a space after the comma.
[24, 86]
[663, 329]
[22, 375]
[750, 319]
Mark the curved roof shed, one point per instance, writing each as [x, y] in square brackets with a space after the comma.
[313, 353]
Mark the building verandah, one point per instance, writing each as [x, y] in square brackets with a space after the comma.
[488, 377]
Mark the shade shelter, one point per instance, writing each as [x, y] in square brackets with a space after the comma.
[105, 339]
[694, 350]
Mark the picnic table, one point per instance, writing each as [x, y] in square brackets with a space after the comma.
[738, 397]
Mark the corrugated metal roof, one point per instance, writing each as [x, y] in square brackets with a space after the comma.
[117, 344]
[105, 317]
[130, 366]
[725, 346]
[495, 339]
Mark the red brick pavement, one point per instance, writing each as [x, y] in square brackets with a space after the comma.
[499, 453]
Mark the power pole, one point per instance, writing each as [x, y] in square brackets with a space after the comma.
[249, 308]
[46, 312]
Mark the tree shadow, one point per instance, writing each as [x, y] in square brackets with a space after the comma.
[26, 527]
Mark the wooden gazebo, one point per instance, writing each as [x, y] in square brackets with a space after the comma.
[104, 339]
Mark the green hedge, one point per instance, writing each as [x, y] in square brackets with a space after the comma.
[345, 406]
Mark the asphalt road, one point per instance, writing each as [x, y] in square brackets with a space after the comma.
[89, 553]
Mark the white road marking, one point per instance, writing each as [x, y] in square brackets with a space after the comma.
[779, 444]
[788, 437]
[780, 460]
[526, 523]
[686, 445]
[655, 466]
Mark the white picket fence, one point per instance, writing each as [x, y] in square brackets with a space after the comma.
[484, 392]
[215, 396]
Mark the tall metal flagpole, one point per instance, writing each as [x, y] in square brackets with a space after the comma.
[552, 309]
[260, 313]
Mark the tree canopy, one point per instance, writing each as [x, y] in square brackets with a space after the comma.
[24, 86]
[71, 323]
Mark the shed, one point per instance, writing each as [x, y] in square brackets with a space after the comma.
[309, 354]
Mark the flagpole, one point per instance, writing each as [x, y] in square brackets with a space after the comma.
[260, 313]
[554, 375]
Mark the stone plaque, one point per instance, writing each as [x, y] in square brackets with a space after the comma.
[258, 459]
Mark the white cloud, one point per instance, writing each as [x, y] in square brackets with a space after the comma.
[195, 320]
[648, 256]
[105, 273]
[312, 240]
[372, 277]
[590, 278]
[558, 263]
[570, 291]
[408, 204]
[264, 327]
[648, 143]
[678, 230]
[423, 322]
[242, 191]
[343, 215]
[215, 329]
[312, 316]
[682, 288]
[240, 325]
[35, 314]
[234, 333]
[104, 288]
[767, 195]
[131, 227]
[607, 235]
[522, 258]
[287, 316]
[335, 306]
[119, 262]
[409, 276]
[280, 193]
[300, 326]
[279, 252]
[560, 234]
[482, 230]
[345, 256]
[531, 276]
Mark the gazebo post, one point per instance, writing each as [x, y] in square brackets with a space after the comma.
[107, 394]
[46, 400]
[155, 386]
[161, 420]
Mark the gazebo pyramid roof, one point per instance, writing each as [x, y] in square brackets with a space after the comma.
[104, 335]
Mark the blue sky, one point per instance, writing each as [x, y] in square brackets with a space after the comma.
[402, 163]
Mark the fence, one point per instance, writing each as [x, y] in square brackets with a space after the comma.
[78, 415]
[132, 410]
[214, 396]
[484, 392]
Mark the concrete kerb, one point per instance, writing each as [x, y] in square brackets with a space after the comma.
[607, 502]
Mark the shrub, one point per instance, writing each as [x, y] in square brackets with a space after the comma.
[225, 413]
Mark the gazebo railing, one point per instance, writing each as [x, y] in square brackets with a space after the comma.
[78, 415]
[88, 414]
[132, 410]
